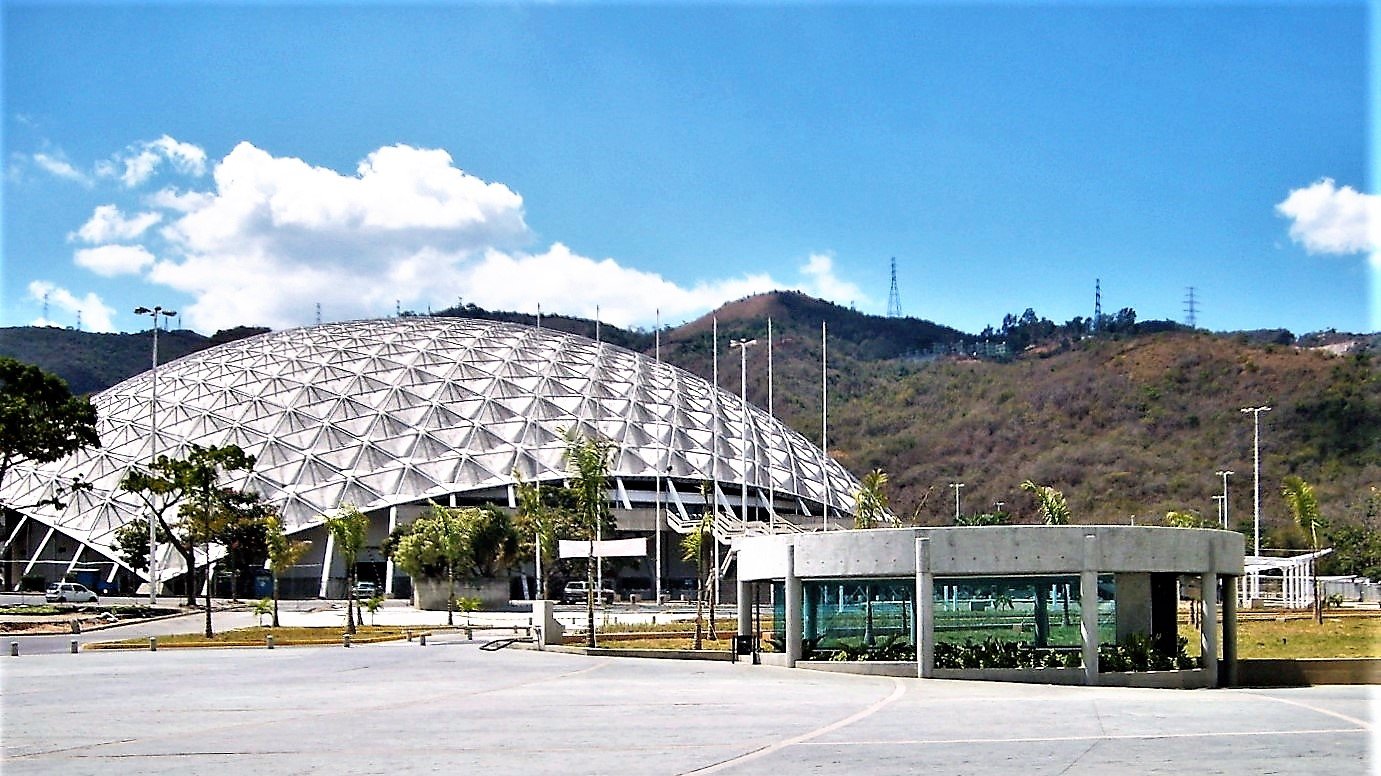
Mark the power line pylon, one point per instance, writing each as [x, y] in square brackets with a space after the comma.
[894, 296]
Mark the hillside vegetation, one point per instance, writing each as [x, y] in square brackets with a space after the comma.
[1128, 425]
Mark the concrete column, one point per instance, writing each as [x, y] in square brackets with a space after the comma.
[1229, 668]
[1208, 628]
[388, 564]
[1088, 608]
[793, 610]
[925, 611]
[745, 608]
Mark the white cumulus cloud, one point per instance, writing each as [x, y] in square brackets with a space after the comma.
[60, 168]
[108, 224]
[112, 260]
[1328, 219]
[94, 314]
[139, 162]
[275, 236]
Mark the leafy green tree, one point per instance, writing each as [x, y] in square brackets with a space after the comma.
[238, 526]
[192, 484]
[350, 527]
[1050, 503]
[1356, 550]
[587, 461]
[544, 514]
[439, 540]
[40, 419]
[131, 544]
[1304, 508]
[870, 500]
[1185, 518]
[284, 553]
[372, 604]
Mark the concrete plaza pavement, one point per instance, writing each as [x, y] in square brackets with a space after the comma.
[404, 708]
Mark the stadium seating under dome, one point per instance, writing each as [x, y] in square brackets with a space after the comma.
[384, 413]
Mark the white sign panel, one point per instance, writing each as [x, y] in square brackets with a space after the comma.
[609, 548]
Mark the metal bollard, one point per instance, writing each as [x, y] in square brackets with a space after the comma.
[408, 633]
[76, 626]
[346, 639]
[74, 646]
[153, 643]
[268, 641]
[469, 634]
[14, 649]
[423, 639]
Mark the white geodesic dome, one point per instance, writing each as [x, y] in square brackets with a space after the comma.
[383, 413]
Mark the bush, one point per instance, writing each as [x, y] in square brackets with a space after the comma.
[32, 583]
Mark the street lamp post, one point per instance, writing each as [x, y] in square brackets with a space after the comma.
[1218, 499]
[153, 313]
[742, 345]
[1256, 472]
[1225, 473]
[957, 486]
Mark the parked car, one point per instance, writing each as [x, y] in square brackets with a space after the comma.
[64, 592]
[365, 590]
[574, 593]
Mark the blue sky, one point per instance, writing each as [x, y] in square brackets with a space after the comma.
[242, 162]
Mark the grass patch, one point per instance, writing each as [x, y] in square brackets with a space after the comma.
[1351, 636]
[255, 636]
[30, 610]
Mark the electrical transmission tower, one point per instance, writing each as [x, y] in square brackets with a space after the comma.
[1097, 304]
[894, 296]
[1191, 308]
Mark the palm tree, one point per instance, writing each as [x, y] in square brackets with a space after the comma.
[870, 502]
[1050, 503]
[587, 460]
[1304, 508]
[283, 554]
[693, 547]
[349, 527]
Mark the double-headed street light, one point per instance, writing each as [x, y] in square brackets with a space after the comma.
[1256, 469]
[1223, 513]
[153, 312]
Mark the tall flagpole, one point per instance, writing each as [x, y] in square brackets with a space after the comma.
[599, 525]
[825, 421]
[714, 458]
[657, 520]
[771, 481]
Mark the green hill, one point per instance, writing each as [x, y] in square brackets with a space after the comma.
[1128, 425]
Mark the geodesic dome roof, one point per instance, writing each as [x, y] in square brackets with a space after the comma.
[386, 412]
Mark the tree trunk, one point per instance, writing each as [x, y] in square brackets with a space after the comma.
[350, 600]
[590, 597]
[275, 600]
[451, 597]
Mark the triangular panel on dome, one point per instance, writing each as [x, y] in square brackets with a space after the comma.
[382, 483]
[315, 472]
[427, 447]
[457, 438]
[495, 466]
[442, 470]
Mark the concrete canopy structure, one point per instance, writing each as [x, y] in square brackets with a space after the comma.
[1122, 579]
[384, 414]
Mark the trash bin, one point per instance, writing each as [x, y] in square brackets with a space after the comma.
[743, 644]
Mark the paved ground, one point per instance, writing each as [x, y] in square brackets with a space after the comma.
[403, 708]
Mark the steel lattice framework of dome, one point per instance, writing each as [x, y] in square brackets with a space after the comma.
[381, 413]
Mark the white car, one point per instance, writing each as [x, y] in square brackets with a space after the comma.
[64, 592]
[575, 593]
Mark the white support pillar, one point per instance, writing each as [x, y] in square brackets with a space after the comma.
[326, 563]
[76, 555]
[18, 526]
[793, 609]
[925, 611]
[1088, 608]
[388, 563]
[41, 545]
